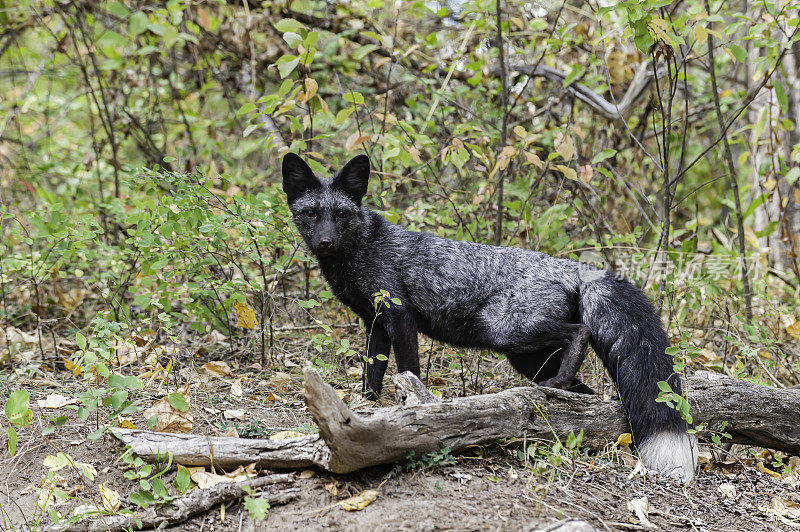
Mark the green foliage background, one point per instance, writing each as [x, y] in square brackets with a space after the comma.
[140, 145]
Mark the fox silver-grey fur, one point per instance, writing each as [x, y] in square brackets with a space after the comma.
[540, 311]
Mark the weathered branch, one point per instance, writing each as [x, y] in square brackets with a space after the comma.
[191, 449]
[193, 503]
[348, 441]
[410, 391]
[636, 92]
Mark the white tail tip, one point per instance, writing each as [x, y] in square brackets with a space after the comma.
[673, 454]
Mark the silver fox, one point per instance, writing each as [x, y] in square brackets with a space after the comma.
[540, 311]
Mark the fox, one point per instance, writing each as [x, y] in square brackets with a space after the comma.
[540, 311]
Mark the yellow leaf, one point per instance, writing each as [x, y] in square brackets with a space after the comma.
[520, 132]
[245, 316]
[332, 488]
[797, 195]
[275, 398]
[311, 88]
[125, 424]
[111, 499]
[791, 324]
[625, 439]
[360, 501]
[533, 159]
[568, 172]
[700, 33]
[761, 467]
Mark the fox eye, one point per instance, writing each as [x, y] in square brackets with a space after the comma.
[342, 214]
[311, 213]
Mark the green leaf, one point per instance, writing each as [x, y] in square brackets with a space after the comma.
[780, 93]
[137, 23]
[178, 402]
[286, 64]
[362, 51]
[292, 38]
[249, 107]
[81, 341]
[182, 479]
[112, 39]
[738, 52]
[257, 507]
[118, 9]
[18, 409]
[353, 97]
[288, 24]
[603, 155]
[143, 498]
[575, 73]
[643, 42]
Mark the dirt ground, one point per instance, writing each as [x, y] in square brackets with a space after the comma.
[486, 488]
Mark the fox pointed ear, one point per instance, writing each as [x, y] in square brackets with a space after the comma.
[353, 178]
[298, 178]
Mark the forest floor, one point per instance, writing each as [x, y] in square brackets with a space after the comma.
[498, 487]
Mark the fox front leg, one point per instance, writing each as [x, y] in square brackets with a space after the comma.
[378, 343]
[403, 332]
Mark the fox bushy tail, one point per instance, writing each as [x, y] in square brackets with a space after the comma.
[627, 335]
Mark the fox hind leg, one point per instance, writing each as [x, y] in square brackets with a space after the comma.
[573, 357]
[551, 358]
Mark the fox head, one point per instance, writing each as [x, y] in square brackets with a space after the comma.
[327, 211]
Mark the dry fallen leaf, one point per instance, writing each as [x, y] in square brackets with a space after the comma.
[641, 507]
[727, 490]
[205, 479]
[236, 388]
[230, 432]
[169, 419]
[234, 413]
[55, 400]
[360, 501]
[111, 499]
[332, 487]
[781, 507]
[286, 434]
[280, 378]
[217, 368]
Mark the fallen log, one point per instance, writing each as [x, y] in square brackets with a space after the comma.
[226, 452]
[751, 414]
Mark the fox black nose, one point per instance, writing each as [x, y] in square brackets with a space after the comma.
[325, 244]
